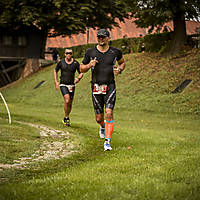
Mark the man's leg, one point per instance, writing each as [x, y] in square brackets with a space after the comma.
[110, 104]
[67, 109]
[100, 121]
[109, 126]
[67, 105]
[98, 104]
[68, 98]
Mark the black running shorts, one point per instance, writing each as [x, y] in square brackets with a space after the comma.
[65, 91]
[107, 100]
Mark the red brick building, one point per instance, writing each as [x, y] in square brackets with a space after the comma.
[126, 29]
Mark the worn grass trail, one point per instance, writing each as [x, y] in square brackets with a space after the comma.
[155, 143]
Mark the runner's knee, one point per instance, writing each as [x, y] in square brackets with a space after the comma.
[99, 119]
[109, 114]
[67, 100]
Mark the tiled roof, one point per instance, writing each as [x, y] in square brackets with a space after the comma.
[126, 28]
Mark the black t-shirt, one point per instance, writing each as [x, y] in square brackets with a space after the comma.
[67, 71]
[102, 73]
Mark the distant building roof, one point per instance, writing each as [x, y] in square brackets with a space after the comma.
[126, 29]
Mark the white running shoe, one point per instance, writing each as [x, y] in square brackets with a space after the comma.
[102, 132]
[107, 146]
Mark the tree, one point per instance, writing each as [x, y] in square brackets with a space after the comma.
[60, 17]
[152, 13]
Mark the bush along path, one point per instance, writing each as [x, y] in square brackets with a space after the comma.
[58, 147]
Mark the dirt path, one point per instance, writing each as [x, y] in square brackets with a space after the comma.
[59, 148]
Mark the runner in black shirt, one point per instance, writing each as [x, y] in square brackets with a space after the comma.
[101, 60]
[68, 67]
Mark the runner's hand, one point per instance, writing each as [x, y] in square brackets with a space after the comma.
[116, 70]
[76, 80]
[93, 62]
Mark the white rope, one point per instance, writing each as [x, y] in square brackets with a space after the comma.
[6, 107]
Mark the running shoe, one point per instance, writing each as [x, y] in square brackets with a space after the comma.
[107, 146]
[102, 132]
[66, 121]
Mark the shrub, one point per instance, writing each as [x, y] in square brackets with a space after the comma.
[127, 45]
[150, 43]
[156, 42]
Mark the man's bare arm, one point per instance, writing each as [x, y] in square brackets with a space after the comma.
[55, 80]
[121, 64]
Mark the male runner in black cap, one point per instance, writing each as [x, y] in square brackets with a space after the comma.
[101, 60]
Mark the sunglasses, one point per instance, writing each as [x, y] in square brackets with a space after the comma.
[69, 53]
[101, 36]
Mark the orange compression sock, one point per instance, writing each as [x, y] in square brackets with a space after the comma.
[109, 127]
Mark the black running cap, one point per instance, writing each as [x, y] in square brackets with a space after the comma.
[103, 32]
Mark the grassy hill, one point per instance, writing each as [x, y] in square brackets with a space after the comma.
[155, 142]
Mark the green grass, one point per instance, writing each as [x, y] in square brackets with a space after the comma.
[16, 141]
[155, 142]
